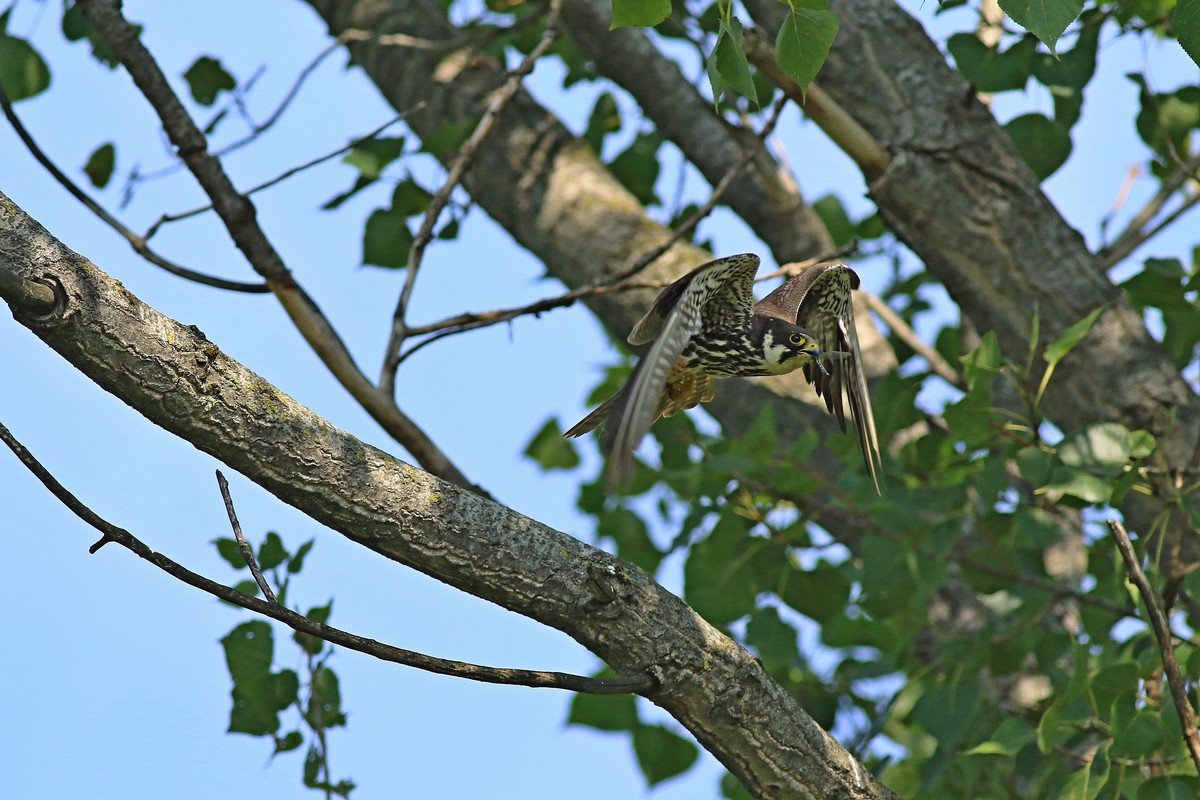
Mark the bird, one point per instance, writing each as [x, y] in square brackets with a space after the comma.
[706, 325]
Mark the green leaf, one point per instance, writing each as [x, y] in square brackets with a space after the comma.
[297, 561]
[248, 587]
[831, 211]
[550, 450]
[1042, 143]
[1009, 738]
[639, 13]
[774, 641]
[386, 240]
[229, 550]
[947, 710]
[637, 167]
[662, 754]
[1057, 350]
[1073, 69]
[207, 78]
[604, 712]
[446, 140]
[1166, 120]
[99, 167]
[285, 744]
[76, 26]
[728, 568]
[631, 536]
[1086, 783]
[803, 43]
[23, 73]
[1186, 22]
[271, 553]
[1076, 483]
[729, 60]
[605, 119]
[1140, 736]
[984, 362]
[258, 694]
[987, 68]
[1169, 787]
[820, 594]
[1045, 19]
[325, 700]
[371, 157]
[1104, 448]
[309, 643]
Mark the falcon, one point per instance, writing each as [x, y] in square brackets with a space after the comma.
[706, 325]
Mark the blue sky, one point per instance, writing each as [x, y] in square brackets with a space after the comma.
[117, 683]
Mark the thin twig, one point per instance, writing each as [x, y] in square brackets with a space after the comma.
[627, 684]
[620, 282]
[1135, 233]
[466, 157]
[281, 177]
[256, 129]
[137, 242]
[1162, 632]
[483, 319]
[907, 335]
[243, 545]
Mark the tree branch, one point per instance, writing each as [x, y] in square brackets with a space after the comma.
[139, 243]
[182, 382]
[1166, 645]
[625, 684]
[243, 545]
[466, 156]
[238, 214]
[765, 196]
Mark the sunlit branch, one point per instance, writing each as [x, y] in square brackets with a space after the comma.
[1140, 230]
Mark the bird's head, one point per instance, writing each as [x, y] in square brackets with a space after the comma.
[785, 347]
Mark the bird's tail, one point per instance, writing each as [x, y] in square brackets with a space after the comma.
[594, 419]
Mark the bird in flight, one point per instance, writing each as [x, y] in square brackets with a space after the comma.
[706, 325]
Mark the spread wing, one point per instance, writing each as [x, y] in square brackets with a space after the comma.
[819, 300]
[713, 294]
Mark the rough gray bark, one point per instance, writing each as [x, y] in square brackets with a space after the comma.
[554, 196]
[176, 378]
[763, 195]
[958, 194]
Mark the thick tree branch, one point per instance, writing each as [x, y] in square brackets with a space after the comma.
[238, 214]
[179, 380]
[765, 196]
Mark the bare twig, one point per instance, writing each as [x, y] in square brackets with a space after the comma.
[907, 335]
[1162, 632]
[627, 684]
[1136, 233]
[238, 215]
[484, 319]
[287, 173]
[243, 545]
[137, 242]
[256, 129]
[466, 156]
[620, 282]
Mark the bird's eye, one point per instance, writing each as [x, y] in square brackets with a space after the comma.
[795, 338]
